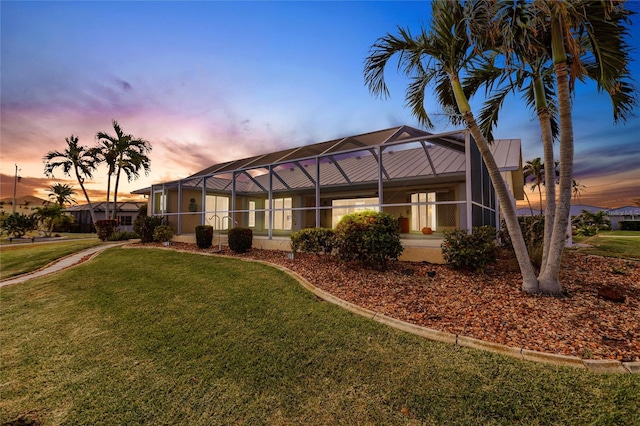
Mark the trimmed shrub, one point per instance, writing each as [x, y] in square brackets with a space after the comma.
[314, 240]
[204, 236]
[18, 224]
[240, 239]
[471, 252]
[106, 227]
[370, 238]
[144, 226]
[123, 236]
[163, 233]
[629, 225]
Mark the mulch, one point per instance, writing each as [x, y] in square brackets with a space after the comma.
[491, 306]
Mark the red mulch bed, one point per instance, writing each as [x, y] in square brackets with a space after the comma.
[490, 306]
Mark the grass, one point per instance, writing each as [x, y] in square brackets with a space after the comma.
[142, 336]
[622, 244]
[21, 258]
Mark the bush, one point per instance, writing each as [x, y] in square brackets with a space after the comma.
[240, 239]
[144, 226]
[370, 238]
[163, 233]
[18, 224]
[204, 236]
[471, 252]
[586, 231]
[105, 228]
[64, 224]
[314, 240]
[533, 233]
[629, 225]
[123, 236]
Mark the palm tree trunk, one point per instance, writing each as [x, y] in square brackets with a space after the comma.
[550, 189]
[86, 196]
[528, 202]
[115, 192]
[550, 278]
[529, 279]
[106, 208]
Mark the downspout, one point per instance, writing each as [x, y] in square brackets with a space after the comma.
[232, 214]
[180, 207]
[380, 183]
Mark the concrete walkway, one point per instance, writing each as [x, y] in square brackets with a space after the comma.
[60, 264]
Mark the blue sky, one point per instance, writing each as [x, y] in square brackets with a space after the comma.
[208, 82]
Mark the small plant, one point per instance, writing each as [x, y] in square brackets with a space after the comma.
[370, 238]
[470, 251]
[122, 236]
[105, 228]
[145, 225]
[240, 239]
[204, 236]
[163, 233]
[314, 240]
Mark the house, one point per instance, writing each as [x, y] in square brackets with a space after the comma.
[126, 214]
[25, 205]
[628, 213]
[436, 181]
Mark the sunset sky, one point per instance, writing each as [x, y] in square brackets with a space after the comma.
[207, 82]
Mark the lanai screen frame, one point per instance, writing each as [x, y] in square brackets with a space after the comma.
[480, 201]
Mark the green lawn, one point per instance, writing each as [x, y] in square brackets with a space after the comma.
[624, 244]
[19, 258]
[143, 336]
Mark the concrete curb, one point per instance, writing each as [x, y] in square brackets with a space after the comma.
[596, 366]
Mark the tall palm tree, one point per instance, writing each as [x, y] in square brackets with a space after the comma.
[438, 58]
[77, 158]
[600, 29]
[62, 194]
[123, 153]
[534, 171]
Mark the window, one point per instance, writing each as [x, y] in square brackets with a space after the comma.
[159, 202]
[125, 220]
[217, 212]
[423, 214]
[282, 213]
[343, 207]
[252, 214]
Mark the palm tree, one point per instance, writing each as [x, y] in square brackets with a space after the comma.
[75, 157]
[577, 188]
[438, 58]
[62, 194]
[521, 33]
[598, 28]
[123, 152]
[534, 170]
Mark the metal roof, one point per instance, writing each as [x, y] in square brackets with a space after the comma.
[407, 154]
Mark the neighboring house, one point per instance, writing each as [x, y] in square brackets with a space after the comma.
[435, 181]
[618, 215]
[26, 205]
[126, 213]
[576, 210]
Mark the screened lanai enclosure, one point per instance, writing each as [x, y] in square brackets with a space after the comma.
[431, 182]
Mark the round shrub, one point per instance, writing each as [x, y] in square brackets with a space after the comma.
[123, 236]
[240, 239]
[370, 238]
[163, 233]
[471, 252]
[144, 226]
[204, 236]
[313, 240]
